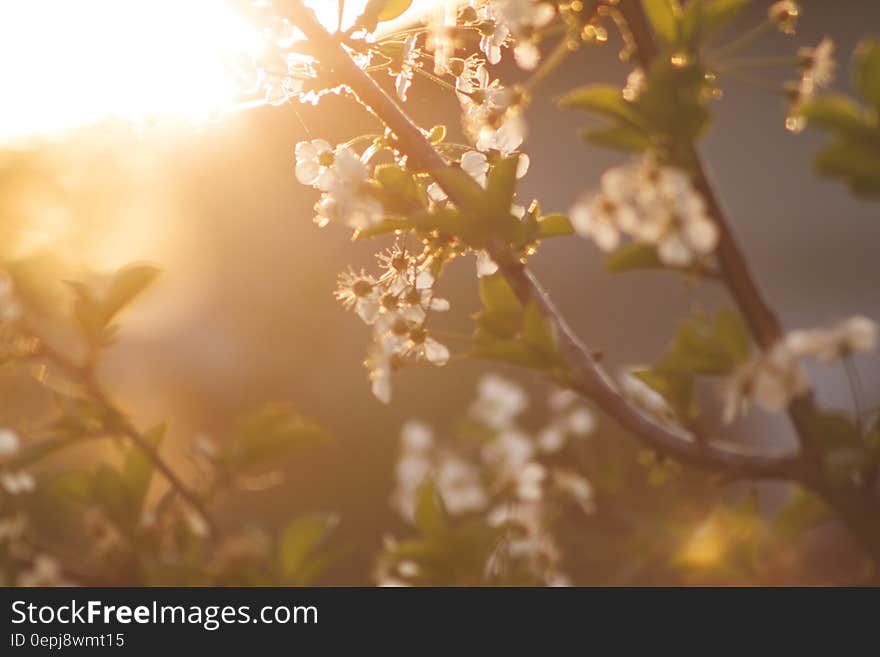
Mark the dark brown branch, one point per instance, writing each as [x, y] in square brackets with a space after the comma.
[589, 378]
[856, 505]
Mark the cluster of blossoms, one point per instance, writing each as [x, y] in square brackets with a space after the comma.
[517, 20]
[396, 304]
[492, 113]
[275, 70]
[341, 176]
[36, 569]
[774, 378]
[514, 479]
[652, 204]
[501, 24]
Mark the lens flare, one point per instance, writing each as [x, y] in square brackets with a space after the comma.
[68, 64]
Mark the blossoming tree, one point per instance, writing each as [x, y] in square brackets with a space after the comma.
[485, 506]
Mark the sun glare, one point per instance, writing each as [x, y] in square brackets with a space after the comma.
[68, 64]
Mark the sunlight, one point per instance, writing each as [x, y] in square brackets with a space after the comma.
[70, 64]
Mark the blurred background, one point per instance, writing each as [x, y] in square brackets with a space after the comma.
[244, 313]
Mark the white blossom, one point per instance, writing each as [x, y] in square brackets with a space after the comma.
[493, 37]
[653, 204]
[523, 19]
[856, 334]
[530, 482]
[460, 486]
[359, 291]
[635, 85]
[416, 436]
[508, 452]
[491, 117]
[498, 403]
[422, 346]
[576, 487]
[570, 419]
[348, 207]
[17, 483]
[485, 265]
[771, 379]
[9, 443]
[45, 571]
[600, 219]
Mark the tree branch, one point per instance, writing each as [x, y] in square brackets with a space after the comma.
[93, 388]
[856, 504]
[589, 379]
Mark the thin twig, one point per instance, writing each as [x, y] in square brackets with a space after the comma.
[85, 376]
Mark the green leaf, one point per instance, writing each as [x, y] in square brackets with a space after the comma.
[673, 101]
[437, 134]
[385, 227]
[126, 286]
[88, 313]
[73, 485]
[604, 100]
[704, 19]
[301, 538]
[867, 71]
[840, 115]
[539, 334]
[502, 316]
[619, 137]
[707, 347]
[501, 187]
[677, 388]
[137, 471]
[801, 512]
[700, 347]
[554, 225]
[632, 257]
[497, 295]
[844, 451]
[430, 515]
[113, 497]
[856, 163]
[733, 334]
[94, 313]
[462, 189]
[512, 350]
[271, 433]
[397, 190]
[662, 15]
[388, 10]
